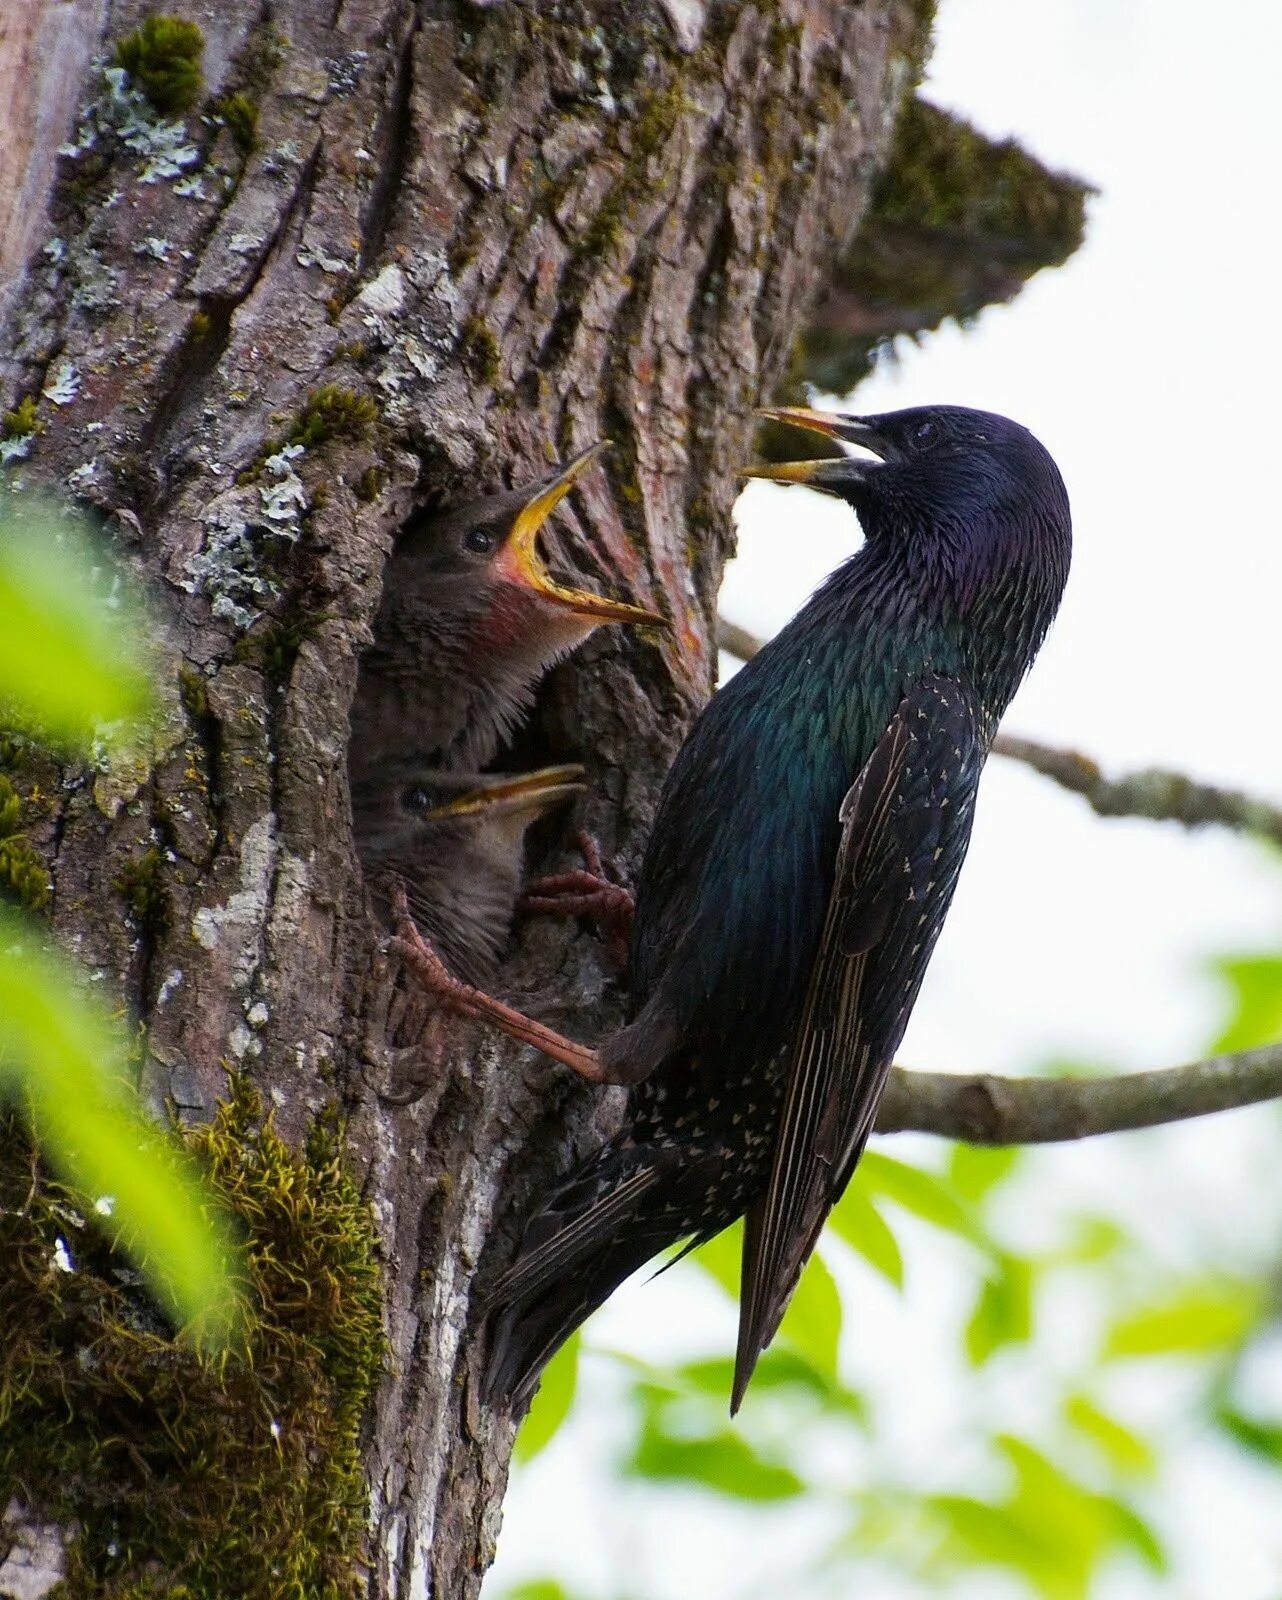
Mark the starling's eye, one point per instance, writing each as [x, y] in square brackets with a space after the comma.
[480, 540]
[925, 433]
[419, 799]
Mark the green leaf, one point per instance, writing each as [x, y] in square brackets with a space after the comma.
[780, 1370]
[1263, 1439]
[69, 661]
[1130, 1528]
[1200, 1319]
[552, 1402]
[538, 1589]
[1255, 984]
[1077, 1527]
[1003, 1312]
[975, 1170]
[859, 1223]
[724, 1462]
[61, 1057]
[1121, 1447]
[924, 1194]
[812, 1322]
[1093, 1239]
[721, 1258]
[976, 1532]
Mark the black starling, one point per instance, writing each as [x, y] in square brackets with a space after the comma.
[802, 860]
[469, 621]
[456, 842]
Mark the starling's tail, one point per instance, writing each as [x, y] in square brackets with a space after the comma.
[594, 1231]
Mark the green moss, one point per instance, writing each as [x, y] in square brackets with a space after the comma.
[257, 62]
[141, 883]
[957, 222]
[188, 1476]
[370, 484]
[200, 327]
[162, 58]
[332, 412]
[24, 880]
[784, 38]
[22, 420]
[240, 113]
[480, 349]
[194, 693]
[273, 647]
[944, 173]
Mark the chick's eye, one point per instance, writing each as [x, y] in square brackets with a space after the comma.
[479, 540]
[925, 433]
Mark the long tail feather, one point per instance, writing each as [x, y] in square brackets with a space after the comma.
[597, 1229]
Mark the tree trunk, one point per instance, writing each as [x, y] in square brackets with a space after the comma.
[514, 228]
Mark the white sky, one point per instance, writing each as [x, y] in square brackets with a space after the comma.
[1149, 366]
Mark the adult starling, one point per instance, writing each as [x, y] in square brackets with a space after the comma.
[469, 621]
[803, 857]
[456, 842]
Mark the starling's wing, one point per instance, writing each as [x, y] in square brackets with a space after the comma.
[905, 826]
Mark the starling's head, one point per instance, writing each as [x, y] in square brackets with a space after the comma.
[405, 806]
[454, 841]
[936, 466]
[483, 562]
[439, 798]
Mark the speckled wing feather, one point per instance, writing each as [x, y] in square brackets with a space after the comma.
[905, 827]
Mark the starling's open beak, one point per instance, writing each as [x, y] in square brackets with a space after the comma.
[520, 562]
[829, 473]
[530, 791]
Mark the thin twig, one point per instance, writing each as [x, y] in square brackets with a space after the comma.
[989, 1110]
[1156, 793]
[738, 641]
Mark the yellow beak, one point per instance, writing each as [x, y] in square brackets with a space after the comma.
[520, 562]
[802, 417]
[819, 472]
[528, 791]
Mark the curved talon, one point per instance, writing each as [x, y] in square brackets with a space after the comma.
[586, 892]
[455, 995]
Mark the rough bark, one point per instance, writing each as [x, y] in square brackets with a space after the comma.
[515, 228]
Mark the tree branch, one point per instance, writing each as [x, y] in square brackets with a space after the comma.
[989, 1110]
[738, 641]
[1155, 793]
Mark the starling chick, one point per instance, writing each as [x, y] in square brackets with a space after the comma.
[470, 620]
[456, 841]
[803, 857]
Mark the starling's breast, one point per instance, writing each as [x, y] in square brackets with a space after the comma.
[739, 869]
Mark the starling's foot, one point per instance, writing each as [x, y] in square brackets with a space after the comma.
[454, 995]
[587, 892]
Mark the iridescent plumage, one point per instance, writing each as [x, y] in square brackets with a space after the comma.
[802, 861]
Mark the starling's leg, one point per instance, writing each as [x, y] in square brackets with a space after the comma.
[460, 997]
[587, 893]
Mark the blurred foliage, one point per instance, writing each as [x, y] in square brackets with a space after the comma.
[72, 662]
[72, 671]
[1061, 1506]
[958, 221]
[1254, 983]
